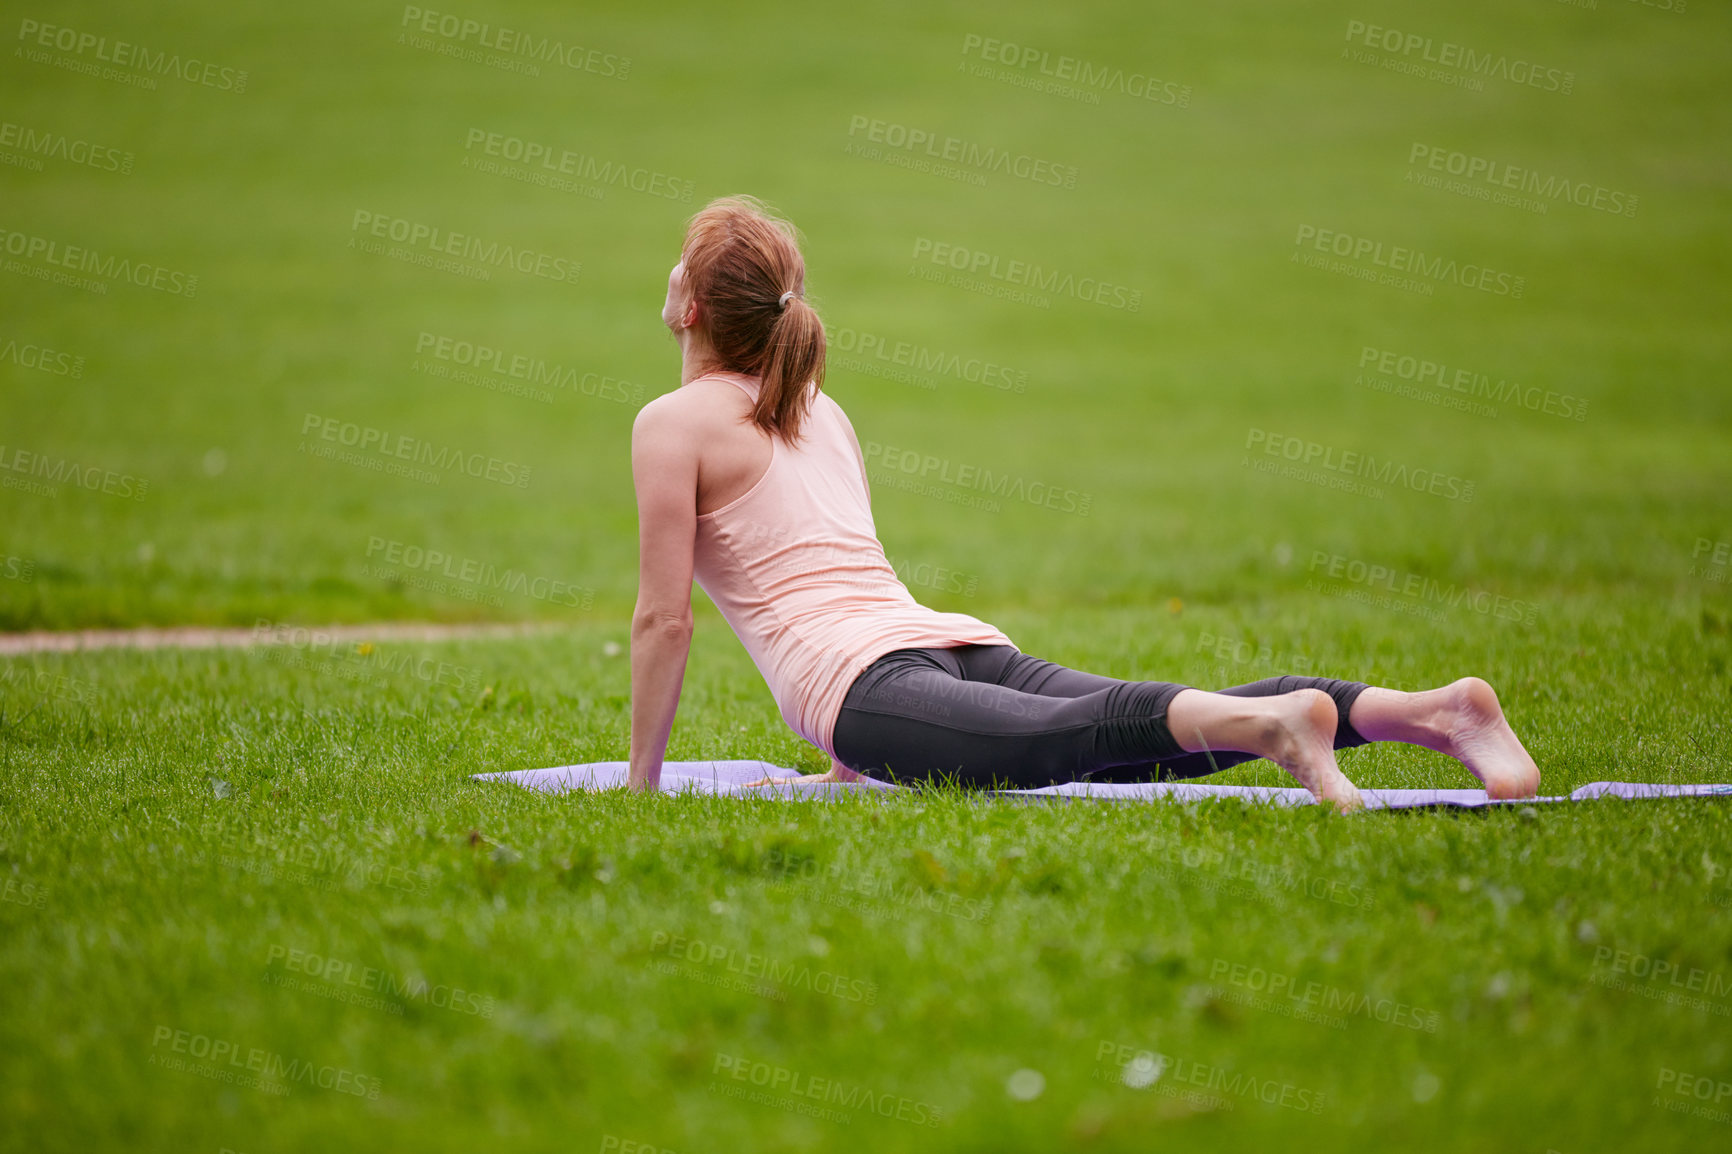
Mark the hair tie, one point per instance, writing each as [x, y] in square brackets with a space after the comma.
[782, 301]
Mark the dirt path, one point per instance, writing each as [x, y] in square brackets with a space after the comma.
[210, 637]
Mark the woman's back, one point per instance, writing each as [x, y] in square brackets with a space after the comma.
[795, 565]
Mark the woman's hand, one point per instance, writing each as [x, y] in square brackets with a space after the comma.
[838, 772]
[643, 778]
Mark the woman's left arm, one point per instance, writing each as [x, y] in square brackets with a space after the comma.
[664, 466]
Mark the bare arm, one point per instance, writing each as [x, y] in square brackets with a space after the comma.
[664, 465]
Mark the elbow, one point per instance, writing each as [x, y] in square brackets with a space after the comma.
[672, 625]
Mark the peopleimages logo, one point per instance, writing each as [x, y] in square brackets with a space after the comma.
[1437, 375]
[1351, 463]
[489, 361]
[1287, 993]
[780, 1080]
[785, 975]
[1691, 979]
[1418, 587]
[371, 979]
[1141, 1069]
[528, 48]
[442, 242]
[40, 473]
[1448, 54]
[879, 356]
[42, 358]
[81, 259]
[227, 1060]
[550, 160]
[34, 33]
[1399, 259]
[955, 150]
[1500, 176]
[1006, 485]
[1071, 70]
[58, 146]
[471, 571]
[379, 448]
[1022, 274]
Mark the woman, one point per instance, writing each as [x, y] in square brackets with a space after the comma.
[750, 479]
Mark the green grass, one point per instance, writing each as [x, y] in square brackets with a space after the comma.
[173, 824]
[213, 818]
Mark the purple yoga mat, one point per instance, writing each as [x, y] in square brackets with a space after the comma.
[730, 777]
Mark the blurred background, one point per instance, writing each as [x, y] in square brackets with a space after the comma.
[342, 312]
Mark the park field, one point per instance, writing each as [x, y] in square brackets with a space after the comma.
[1193, 343]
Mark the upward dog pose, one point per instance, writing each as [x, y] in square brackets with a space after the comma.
[750, 479]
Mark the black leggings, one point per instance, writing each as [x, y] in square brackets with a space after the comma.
[986, 714]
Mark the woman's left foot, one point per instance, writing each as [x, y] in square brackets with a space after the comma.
[1477, 735]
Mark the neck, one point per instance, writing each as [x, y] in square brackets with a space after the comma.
[697, 355]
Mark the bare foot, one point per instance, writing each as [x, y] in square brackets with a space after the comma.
[1301, 740]
[1475, 733]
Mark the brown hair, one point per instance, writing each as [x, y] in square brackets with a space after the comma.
[740, 262]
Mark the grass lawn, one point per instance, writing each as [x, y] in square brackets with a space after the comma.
[252, 901]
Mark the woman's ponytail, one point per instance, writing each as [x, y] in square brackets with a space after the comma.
[795, 360]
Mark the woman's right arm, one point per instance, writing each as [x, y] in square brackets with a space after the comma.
[664, 466]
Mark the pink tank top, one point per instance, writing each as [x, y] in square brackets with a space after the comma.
[795, 566]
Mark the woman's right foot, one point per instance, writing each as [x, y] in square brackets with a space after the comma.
[1301, 740]
[1475, 733]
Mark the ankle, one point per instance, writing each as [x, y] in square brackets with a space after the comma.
[1427, 717]
[1296, 720]
[1466, 707]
